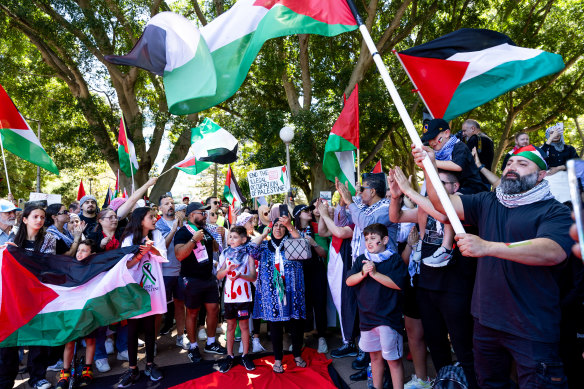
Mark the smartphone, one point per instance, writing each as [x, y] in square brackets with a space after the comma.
[576, 184]
[283, 210]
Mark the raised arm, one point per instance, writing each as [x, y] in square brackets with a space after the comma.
[127, 207]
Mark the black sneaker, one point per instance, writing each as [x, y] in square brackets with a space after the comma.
[195, 355]
[346, 350]
[361, 375]
[362, 361]
[215, 348]
[153, 372]
[226, 364]
[166, 329]
[129, 377]
[247, 362]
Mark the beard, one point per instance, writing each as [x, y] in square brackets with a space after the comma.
[518, 185]
[170, 213]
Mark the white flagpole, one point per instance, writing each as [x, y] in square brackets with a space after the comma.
[407, 120]
[132, 172]
[5, 168]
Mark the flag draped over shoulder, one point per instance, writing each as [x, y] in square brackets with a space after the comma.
[469, 67]
[18, 138]
[233, 40]
[49, 300]
[339, 150]
[126, 151]
[231, 190]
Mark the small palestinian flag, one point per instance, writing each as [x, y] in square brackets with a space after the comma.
[231, 190]
[339, 150]
[126, 152]
[49, 300]
[191, 165]
[469, 67]
[212, 143]
[80, 191]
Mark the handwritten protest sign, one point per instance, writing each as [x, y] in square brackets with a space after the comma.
[268, 181]
[49, 198]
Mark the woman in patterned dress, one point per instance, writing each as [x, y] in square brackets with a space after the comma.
[279, 294]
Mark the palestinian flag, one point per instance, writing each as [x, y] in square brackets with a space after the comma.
[234, 39]
[377, 168]
[126, 152]
[108, 198]
[191, 165]
[49, 300]
[211, 143]
[339, 150]
[18, 138]
[469, 67]
[117, 187]
[231, 190]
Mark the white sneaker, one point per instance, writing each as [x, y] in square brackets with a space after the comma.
[109, 346]
[202, 334]
[440, 258]
[123, 356]
[257, 346]
[322, 346]
[141, 343]
[57, 366]
[102, 365]
[418, 383]
[241, 347]
[183, 341]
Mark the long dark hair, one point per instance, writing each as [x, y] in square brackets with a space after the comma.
[52, 210]
[134, 226]
[22, 233]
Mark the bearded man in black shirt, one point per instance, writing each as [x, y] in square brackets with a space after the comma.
[523, 237]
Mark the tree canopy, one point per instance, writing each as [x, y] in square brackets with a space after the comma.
[52, 64]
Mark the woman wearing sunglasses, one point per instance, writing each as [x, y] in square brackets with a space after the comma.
[67, 242]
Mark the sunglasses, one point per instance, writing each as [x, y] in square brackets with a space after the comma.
[63, 213]
[365, 187]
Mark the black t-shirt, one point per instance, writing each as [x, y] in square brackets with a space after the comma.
[190, 267]
[456, 277]
[555, 158]
[378, 304]
[486, 150]
[90, 223]
[508, 296]
[469, 177]
[61, 247]
[97, 236]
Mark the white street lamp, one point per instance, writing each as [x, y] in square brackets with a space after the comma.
[287, 134]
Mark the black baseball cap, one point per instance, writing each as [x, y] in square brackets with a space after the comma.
[196, 206]
[433, 128]
[301, 207]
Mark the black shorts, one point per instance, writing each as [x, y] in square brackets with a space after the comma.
[411, 308]
[173, 290]
[197, 292]
[239, 311]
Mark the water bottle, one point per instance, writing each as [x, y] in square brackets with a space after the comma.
[369, 377]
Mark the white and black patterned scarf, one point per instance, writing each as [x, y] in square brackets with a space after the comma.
[540, 192]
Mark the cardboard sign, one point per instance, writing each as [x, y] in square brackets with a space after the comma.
[326, 195]
[268, 181]
[49, 198]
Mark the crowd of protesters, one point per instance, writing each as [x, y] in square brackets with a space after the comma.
[508, 290]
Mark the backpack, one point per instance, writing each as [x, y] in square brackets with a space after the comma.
[451, 377]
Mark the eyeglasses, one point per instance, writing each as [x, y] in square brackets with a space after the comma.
[365, 187]
[63, 213]
[110, 218]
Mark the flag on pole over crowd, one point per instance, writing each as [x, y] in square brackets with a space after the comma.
[108, 197]
[81, 190]
[469, 67]
[117, 187]
[233, 40]
[339, 150]
[18, 138]
[377, 168]
[231, 190]
[126, 152]
[40, 302]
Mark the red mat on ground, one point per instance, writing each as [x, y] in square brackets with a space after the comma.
[314, 375]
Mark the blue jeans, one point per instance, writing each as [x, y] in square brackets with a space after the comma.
[121, 341]
[538, 364]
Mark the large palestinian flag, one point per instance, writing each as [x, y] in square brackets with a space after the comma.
[234, 39]
[469, 67]
[18, 138]
[49, 300]
[339, 150]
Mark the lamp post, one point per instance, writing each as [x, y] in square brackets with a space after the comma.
[287, 134]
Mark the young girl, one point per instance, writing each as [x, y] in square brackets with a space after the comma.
[146, 269]
[239, 267]
[83, 251]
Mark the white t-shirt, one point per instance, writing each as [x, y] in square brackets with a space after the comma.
[239, 290]
[148, 274]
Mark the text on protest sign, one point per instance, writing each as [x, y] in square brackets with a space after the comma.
[268, 181]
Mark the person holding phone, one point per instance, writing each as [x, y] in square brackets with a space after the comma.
[523, 236]
[557, 152]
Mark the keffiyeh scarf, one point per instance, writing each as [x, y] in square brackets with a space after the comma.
[445, 153]
[65, 236]
[540, 192]
[380, 257]
[278, 278]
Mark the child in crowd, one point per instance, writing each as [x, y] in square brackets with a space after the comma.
[83, 251]
[378, 276]
[239, 268]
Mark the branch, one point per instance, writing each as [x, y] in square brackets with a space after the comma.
[199, 13]
[218, 6]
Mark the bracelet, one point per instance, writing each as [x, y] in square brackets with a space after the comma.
[480, 167]
[192, 240]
